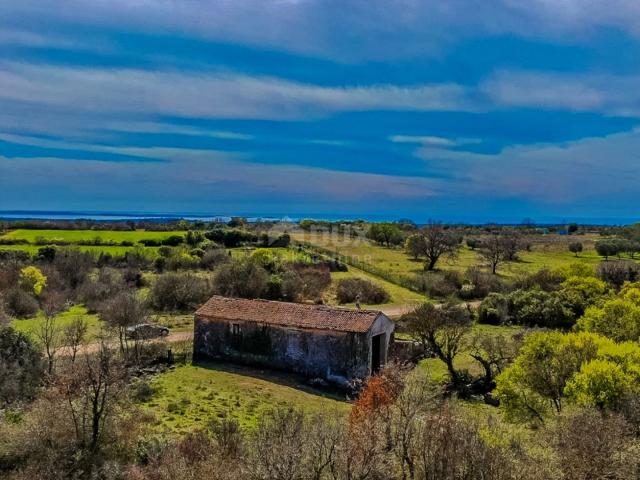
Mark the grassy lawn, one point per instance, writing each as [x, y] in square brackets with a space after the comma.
[31, 325]
[191, 395]
[550, 251]
[399, 295]
[87, 235]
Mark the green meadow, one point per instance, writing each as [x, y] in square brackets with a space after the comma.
[192, 395]
[32, 236]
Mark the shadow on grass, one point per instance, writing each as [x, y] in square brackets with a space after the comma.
[279, 377]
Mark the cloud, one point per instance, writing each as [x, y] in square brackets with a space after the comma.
[221, 95]
[199, 182]
[617, 95]
[349, 30]
[433, 141]
[570, 173]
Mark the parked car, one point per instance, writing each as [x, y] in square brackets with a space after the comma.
[146, 330]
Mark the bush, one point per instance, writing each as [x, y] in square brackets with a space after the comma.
[537, 308]
[21, 367]
[20, 304]
[479, 284]
[243, 279]
[616, 272]
[544, 279]
[173, 240]
[358, 289]
[179, 292]
[494, 309]
[440, 284]
[213, 258]
[301, 281]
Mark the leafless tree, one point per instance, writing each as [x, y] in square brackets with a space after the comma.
[122, 311]
[48, 332]
[438, 241]
[493, 250]
[74, 335]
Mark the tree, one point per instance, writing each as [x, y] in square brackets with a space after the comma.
[493, 250]
[415, 245]
[440, 330]
[122, 311]
[438, 242]
[21, 367]
[385, 234]
[607, 248]
[618, 318]
[48, 332]
[535, 383]
[599, 383]
[473, 243]
[179, 291]
[92, 388]
[575, 248]
[494, 353]
[32, 280]
[74, 335]
[242, 278]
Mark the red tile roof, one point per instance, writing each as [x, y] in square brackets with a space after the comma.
[289, 314]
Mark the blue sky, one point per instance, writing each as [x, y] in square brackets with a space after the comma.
[452, 110]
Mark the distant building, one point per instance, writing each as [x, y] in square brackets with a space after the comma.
[335, 344]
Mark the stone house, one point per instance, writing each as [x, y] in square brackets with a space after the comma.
[318, 341]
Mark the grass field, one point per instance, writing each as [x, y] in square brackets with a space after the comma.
[551, 252]
[32, 236]
[115, 250]
[30, 326]
[191, 395]
[399, 295]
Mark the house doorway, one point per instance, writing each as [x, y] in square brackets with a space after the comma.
[377, 352]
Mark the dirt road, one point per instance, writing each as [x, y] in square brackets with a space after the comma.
[95, 346]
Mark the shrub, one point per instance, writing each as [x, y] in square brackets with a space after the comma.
[21, 367]
[244, 279]
[213, 258]
[20, 304]
[494, 309]
[440, 284]
[479, 284]
[173, 240]
[179, 291]
[544, 279]
[354, 289]
[616, 272]
[539, 308]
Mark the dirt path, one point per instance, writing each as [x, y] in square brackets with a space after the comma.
[395, 311]
[95, 346]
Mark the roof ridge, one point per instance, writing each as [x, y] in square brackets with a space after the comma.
[299, 315]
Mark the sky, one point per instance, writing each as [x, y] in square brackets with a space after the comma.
[452, 110]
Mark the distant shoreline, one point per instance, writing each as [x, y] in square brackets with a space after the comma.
[106, 216]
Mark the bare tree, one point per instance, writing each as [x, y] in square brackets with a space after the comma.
[91, 389]
[438, 242]
[74, 335]
[493, 250]
[48, 332]
[122, 311]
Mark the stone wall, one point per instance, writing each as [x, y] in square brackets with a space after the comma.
[333, 356]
